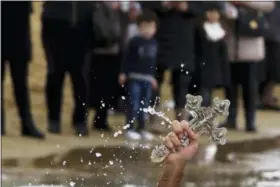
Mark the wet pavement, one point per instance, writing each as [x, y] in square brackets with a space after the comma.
[134, 170]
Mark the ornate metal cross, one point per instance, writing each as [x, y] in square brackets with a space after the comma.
[203, 122]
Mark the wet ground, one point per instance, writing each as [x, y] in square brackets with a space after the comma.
[242, 170]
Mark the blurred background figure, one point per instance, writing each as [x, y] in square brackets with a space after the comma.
[110, 23]
[66, 35]
[175, 38]
[211, 54]
[268, 101]
[246, 49]
[137, 72]
[16, 51]
[133, 12]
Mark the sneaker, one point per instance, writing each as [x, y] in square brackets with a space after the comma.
[133, 135]
[147, 135]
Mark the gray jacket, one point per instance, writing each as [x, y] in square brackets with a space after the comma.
[250, 49]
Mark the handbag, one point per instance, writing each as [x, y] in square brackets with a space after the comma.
[251, 23]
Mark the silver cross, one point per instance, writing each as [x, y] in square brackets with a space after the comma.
[203, 122]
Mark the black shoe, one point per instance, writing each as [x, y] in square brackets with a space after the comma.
[29, 130]
[230, 126]
[81, 130]
[251, 130]
[103, 129]
[54, 127]
[269, 107]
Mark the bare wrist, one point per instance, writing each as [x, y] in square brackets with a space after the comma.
[172, 175]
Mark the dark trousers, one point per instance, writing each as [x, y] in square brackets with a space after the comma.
[103, 86]
[65, 52]
[139, 95]
[19, 73]
[244, 73]
[180, 82]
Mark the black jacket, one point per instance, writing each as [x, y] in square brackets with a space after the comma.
[274, 24]
[15, 31]
[212, 68]
[74, 12]
[175, 34]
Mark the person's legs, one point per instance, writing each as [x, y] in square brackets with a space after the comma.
[80, 108]
[19, 73]
[145, 96]
[249, 87]
[53, 43]
[134, 91]
[54, 86]
[180, 81]
[206, 94]
[156, 127]
[232, 95]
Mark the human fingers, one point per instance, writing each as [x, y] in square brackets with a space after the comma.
[177, 128]
[188, 131]
[175, 140]
[168, 143]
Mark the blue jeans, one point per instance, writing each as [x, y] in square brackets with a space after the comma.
[139, 94]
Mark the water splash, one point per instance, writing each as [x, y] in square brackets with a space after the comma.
[152, 111]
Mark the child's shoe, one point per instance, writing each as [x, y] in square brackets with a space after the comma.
[132, 135]
[147, 135]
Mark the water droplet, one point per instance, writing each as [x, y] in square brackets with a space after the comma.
[64, 163]
[123, 97]
[111, 162]
[116, 134]
[194, 85]
[98, 155]
[102, 135]
[126, 126]
[182, 65]
[72, 184]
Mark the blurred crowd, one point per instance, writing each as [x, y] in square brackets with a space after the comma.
[116, 54]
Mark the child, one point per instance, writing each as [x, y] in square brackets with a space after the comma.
[211, 57]
[137, 71]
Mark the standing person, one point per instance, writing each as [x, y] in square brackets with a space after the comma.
[65, 35]
[16, 51]
[246, 48]
[272, 62]
[175, 38]
[105, 61]
[212, 67]
[137, 71]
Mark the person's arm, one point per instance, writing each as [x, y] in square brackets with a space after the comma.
[176, 161]
[172, 175]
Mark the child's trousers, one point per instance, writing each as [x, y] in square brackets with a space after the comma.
[139, 93]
